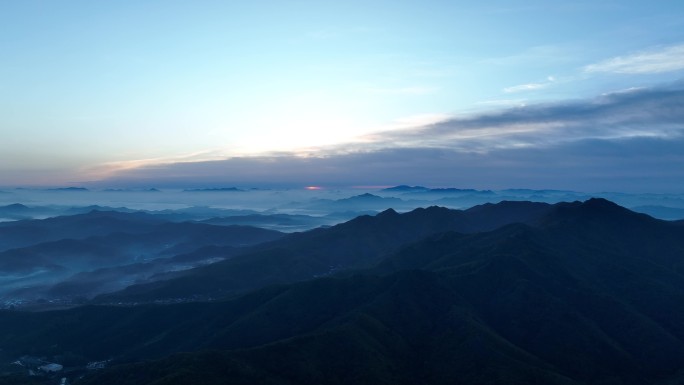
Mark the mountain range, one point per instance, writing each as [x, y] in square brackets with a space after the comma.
[515, 292]
[75, 251]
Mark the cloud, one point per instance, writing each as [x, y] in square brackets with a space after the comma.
[665, 59]
[631, 140]
[525, 87]
[530, 86]
[634, 164]
[504, 102]
[639, 112]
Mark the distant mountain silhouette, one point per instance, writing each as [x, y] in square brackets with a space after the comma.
[219, 189]
[357, 203]
[28, 232]
[281, 222]
[77, 189]
[15, 211]
[99, 240]
[14, 208]
[405, 188]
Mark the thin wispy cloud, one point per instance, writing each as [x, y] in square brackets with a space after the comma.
[530, 86]
[503, 103]
[525, 87]
[665, 59]
[108, 169]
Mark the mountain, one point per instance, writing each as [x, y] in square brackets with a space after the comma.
[356, 203]
[14, 208]
[15, 211]
[77, 189]
[403, 328]
[219, 189]
[405, 188]
[449, 191]
[64, 252]
[130, 243]
[98, 223]
[85, 284]
[280, 222]
[29, 232]
[358, 243]
[18, 211]
[596, 291]
[98, 208]
[573, 293]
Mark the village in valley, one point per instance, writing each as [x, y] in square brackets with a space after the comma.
[47, 372]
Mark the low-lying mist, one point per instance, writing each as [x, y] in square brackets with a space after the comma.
[71, 244]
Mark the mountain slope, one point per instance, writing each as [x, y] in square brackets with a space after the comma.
[409, 327]
[584, 293]
[596, 282]
[32, 231]
[358, 243]
[29, 272]
[591, 294]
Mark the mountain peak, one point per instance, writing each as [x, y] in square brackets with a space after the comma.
[15, 206]
[601, 205]
[406, 188]
[387, 213]
[69, 189]
[599, 202]
[366, 195]
[593, 209]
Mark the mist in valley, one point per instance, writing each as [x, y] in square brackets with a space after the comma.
[68, 245]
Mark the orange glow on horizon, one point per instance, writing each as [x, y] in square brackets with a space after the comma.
[312, 188]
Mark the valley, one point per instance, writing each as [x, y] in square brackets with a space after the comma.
[583, 292]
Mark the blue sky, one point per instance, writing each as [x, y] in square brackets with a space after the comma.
[503, 94]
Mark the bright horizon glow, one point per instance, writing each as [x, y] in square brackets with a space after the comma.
[91, 92]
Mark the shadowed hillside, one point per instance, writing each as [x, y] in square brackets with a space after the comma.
[359, 243]
[582, 293]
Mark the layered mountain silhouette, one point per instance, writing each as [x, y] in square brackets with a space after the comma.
[28, 232]
[359, 243]
[128, 247]
[515, 293]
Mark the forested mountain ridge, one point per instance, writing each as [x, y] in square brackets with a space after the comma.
[359, 243]
[578, 293]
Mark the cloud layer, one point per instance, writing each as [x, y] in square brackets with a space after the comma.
[629, 141]
[627, 114]
[666, 59]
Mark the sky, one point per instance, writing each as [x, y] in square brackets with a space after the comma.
[581, 95]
